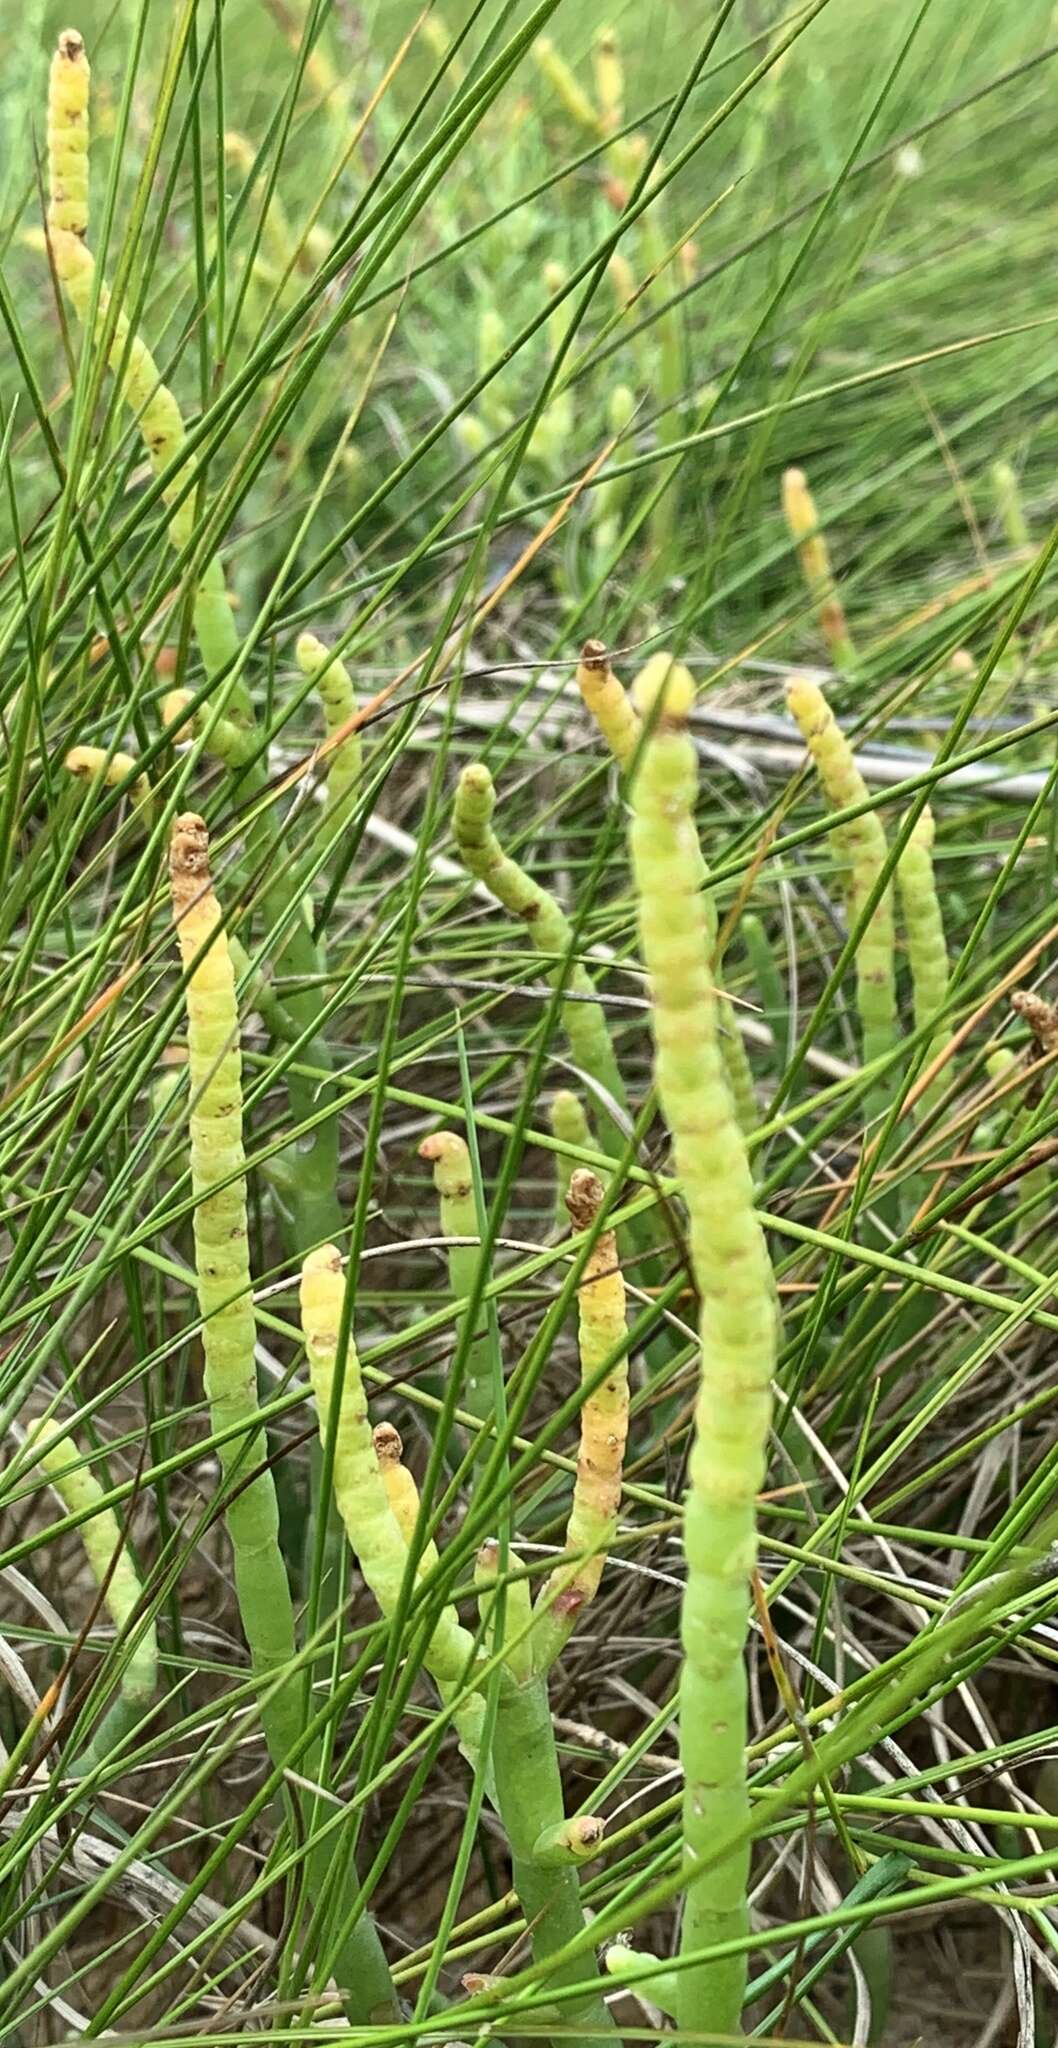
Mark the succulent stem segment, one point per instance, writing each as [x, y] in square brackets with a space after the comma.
[552, 935]
[447, 1154]
[359, 1489]
[530, 1805]
[603, 1341]
[608, 702]
[218, 1179]
[570, 1126]
[334, 683]
[94, 764]
[733, 1275]
[926, 947]
[230, 733]
[862, 848]
[802, 520]
[113, 1570]
[157, 414]
[405, 1507]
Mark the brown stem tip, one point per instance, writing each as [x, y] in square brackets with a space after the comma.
[188, 861]
[593, 654]
[71, 45]
[585, 1198]
[389, 1445]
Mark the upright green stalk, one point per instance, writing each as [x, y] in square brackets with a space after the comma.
[313, 1164]
[344, 761]
[225, 1296]
[545, 1847]
[608, 701]
[602, 1343]
[863, 850]
[448, 1155]
[552, 935]
[570, 1126]
[359, 1488]
[926, 947]
[802, 519]
[112, 1568]
[738, 1341]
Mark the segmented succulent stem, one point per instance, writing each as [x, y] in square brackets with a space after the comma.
[218, 1178]
[551, 933]
[334, 683]
[738, 1343]
[225, 740]
[112, 1569]
[359, 1490]
[660, 1987]
[862, 848]
[94, 764]
[602, 1337]
[926, 947]
[802, 519]
[529, 1801]
[570, 1126]
[608, 702]
[403, 1497]
[157, 414]
[447, 1154]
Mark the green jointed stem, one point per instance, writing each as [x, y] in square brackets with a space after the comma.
[156, 411]
[802, 519]
[359, 1489]
[313, 1163]
[403, 1497]
[660, 1988]
[112, 1567]
[218, 1177]
[608, 701]
[334, 683]
[233, 744]
[927, 951]
[862, 848]
[551, 933]
[592, 1524]
[738, 1345]
[1034, 1187]
[529, 1801]
[95, 764]
[570, 1126]
[448, 1155]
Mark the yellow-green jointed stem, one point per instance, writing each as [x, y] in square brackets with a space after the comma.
[862, 850]
[738, 1342]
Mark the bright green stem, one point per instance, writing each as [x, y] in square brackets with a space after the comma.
[218, 1177]
[738, 1346]
[570, 1126]
[552, 935]
[927, 950]
[659, 1987]
[344, 760]
[112, 1567]
[529, 1794]
[603, 1345]
[862, 848]
[738, 1070]
[453, 1181]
